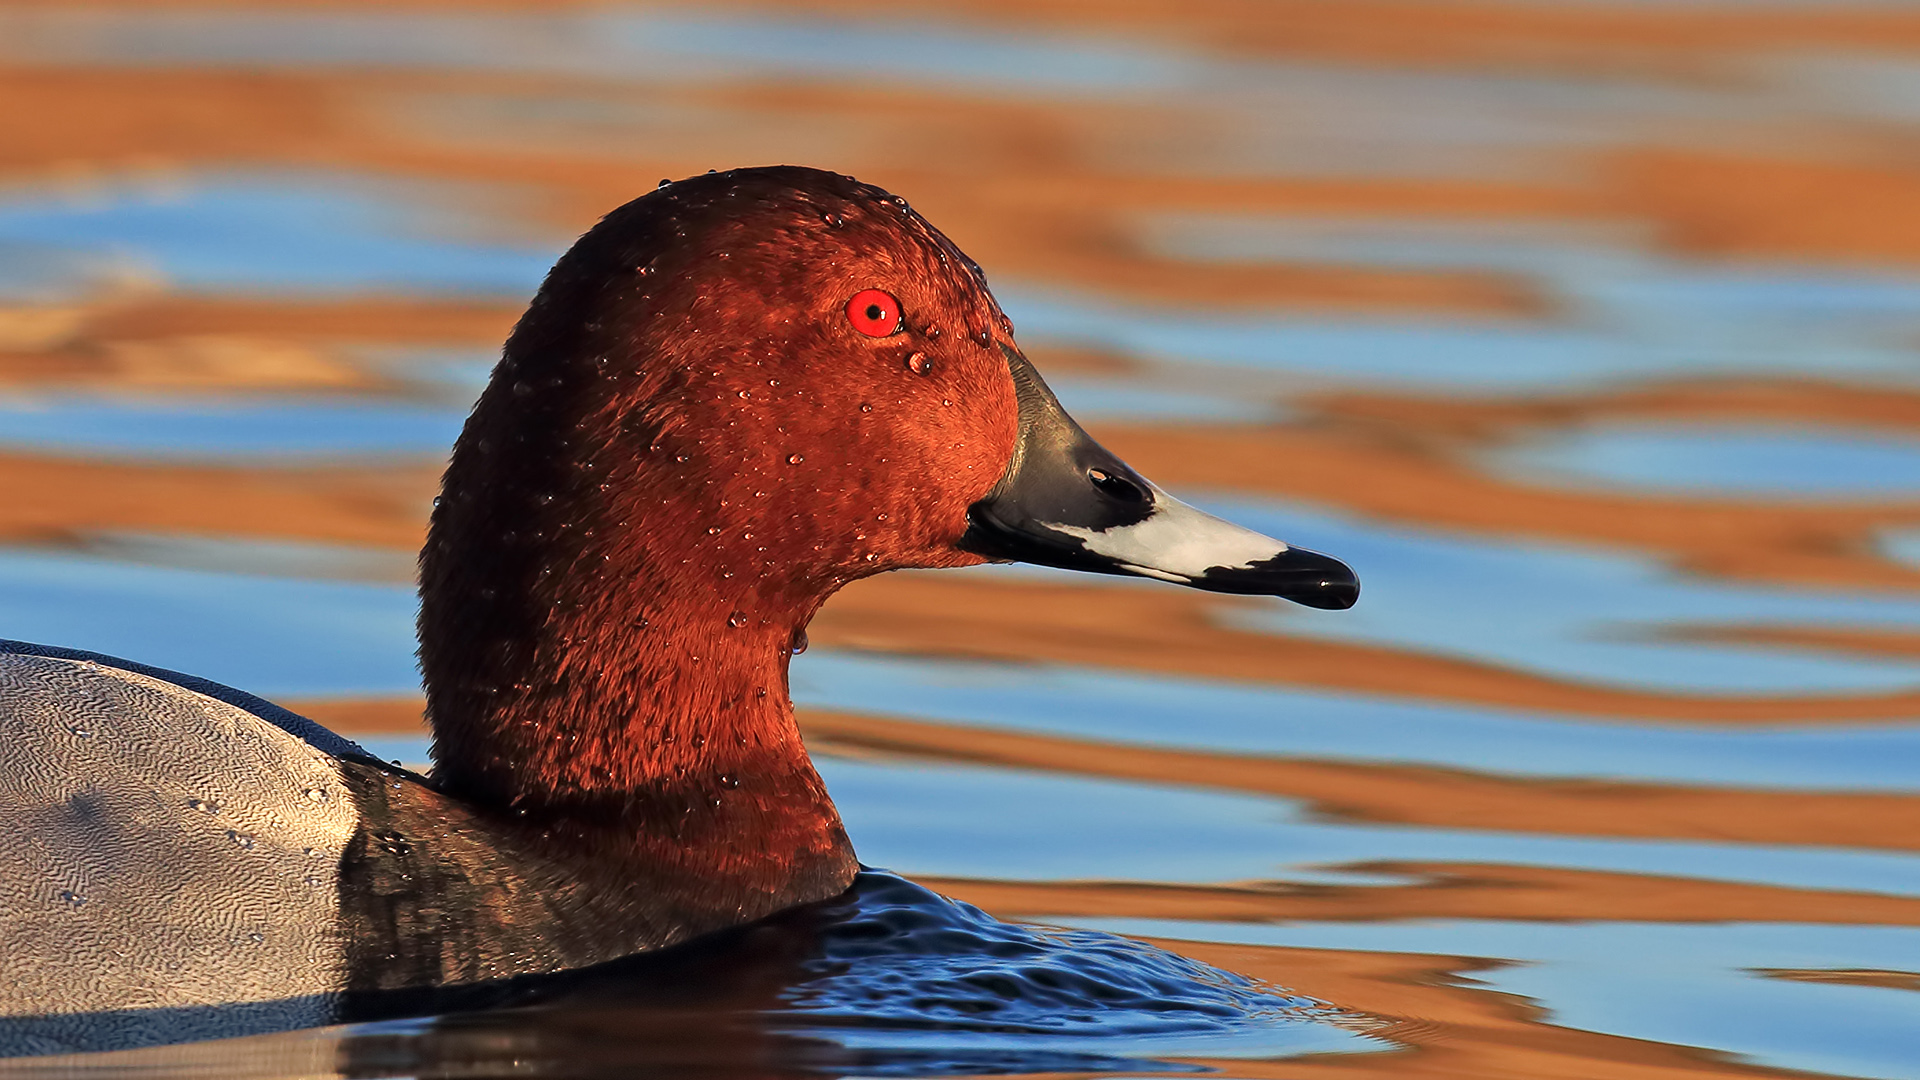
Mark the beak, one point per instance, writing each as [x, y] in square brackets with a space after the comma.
[1066, 501]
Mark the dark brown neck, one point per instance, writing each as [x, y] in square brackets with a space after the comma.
[667, 739]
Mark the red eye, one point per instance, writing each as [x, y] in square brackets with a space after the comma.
[874, 313]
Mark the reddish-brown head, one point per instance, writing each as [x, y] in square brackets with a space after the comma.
[694, 437]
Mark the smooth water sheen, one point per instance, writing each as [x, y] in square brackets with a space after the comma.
[1586, 332]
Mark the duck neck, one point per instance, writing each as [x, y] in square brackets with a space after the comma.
[656, 731]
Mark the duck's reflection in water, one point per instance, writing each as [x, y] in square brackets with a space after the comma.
[889, 979]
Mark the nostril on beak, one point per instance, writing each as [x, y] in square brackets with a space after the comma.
[1118, 487]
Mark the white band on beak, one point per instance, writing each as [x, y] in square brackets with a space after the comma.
[1176, 542]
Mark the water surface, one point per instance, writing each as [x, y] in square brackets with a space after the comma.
[1587, 332]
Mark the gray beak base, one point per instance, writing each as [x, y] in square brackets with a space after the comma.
[1066, 501]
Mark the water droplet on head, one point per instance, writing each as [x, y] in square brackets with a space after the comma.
[795, 459]
[919, 363]
[203, 805]
[864, 407]
[737, 619]
[245, 840]
[747, 394]
[79, 732]
[314, 794]
[256, 937]
[73, 898]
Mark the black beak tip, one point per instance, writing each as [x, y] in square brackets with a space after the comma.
[1304, 577]
[1321, 581]
[1330, 593]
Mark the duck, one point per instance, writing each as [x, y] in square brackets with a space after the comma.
[731, 397]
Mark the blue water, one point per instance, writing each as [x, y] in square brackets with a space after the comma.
[278, 230]
[1726, 461]
[1660, 981]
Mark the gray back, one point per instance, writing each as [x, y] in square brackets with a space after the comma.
[162, 846]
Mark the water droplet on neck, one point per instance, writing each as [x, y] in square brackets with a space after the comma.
[798, 646]
[737, 620]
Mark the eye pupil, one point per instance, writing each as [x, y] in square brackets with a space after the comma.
[874, 312]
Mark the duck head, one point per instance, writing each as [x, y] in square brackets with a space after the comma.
[731, 397]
